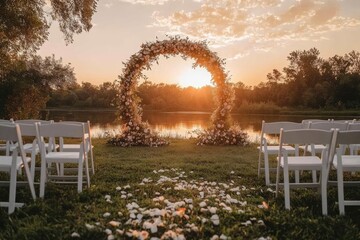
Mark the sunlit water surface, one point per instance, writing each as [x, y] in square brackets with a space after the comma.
[168, 124]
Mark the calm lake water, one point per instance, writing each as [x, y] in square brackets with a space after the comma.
[170, 124]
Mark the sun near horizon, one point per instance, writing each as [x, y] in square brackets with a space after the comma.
[196, 78]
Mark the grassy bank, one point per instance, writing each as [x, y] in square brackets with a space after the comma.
[181, 190]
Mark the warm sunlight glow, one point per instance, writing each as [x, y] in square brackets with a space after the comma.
[197, 78]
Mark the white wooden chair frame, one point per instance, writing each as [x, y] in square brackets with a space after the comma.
[291, 163]
[343, 162]
[12, 164]
[58, 130]
[266, 149]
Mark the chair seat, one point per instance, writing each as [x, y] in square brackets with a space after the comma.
[28, 148]
[349, 162]
[317, 147]
[303, 163]
[6, 161]
[63, 157]
[275, 149]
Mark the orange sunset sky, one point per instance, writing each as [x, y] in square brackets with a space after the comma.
[254, 36]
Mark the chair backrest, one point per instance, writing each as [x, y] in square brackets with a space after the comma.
[354, 126]
[348, 137]
[307, 121]
[341, 126]
[27, 130]
[10, 132]
[307, 136]
[60, 129]
[344, 120]
[274, 127]
[86, 124]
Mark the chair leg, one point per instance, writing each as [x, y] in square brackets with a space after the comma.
[32, 167]
[314, 177]
[43, 177]
[87, 172]
[267, 171]
[297, 176]
[80, 176]
[92, 160]
[12, 190]
[324, 193]
[286, 187]
[340, 190]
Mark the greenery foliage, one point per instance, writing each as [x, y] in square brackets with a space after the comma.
[134, 131]
[24, 25]
[153, 178]
[25, 87]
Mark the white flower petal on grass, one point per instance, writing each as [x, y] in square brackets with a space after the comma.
[215, 219]
[75, 235]
[118, 231]
[202, 194]
[215, 237]
[118, 188]
[153, 228]
[202, 204]
[188, 200]
[261, 222]
[108, 231]
[110, 237]
[247, 223]
[107, 214]
[89, 226]
[114, 223]
[213, 210]
[223, 237]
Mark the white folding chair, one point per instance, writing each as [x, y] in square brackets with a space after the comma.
[12, 164]
[63, 130]
[67, 147]
[293, 163]
[267, 148]
[346, 163]
[318, 148]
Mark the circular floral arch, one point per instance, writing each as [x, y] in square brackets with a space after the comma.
[136, 132]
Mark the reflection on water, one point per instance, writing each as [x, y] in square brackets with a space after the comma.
[168, 124]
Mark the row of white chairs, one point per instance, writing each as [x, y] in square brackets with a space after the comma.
[60, 153]
[323, 138]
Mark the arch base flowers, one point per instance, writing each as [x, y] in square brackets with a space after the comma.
[135, 132]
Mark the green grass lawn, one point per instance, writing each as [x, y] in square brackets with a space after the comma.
[181, 191]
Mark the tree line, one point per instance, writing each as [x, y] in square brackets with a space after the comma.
[308, 82]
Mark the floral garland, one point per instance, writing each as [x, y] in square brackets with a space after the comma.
[136, 132]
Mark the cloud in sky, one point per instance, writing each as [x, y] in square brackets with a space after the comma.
[256, 22]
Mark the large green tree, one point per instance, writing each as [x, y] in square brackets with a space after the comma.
[25, 79]
[25, 87]
[24, 24]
